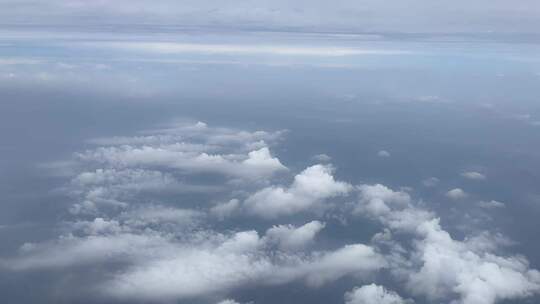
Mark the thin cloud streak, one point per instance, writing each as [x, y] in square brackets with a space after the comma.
[243, 49]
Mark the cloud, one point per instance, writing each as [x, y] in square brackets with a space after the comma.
[491, 204]
[456, 194]
[323, 158]
[238, 261]
[289, 237]
[258, 163]
[430, 182]
[18, 61]
[477, 277]
[114, 187]
[154, 158]
[308, 192]
[440, 267]
[378, 199]
[244, 49]
[149, 214]
[228, 301]
[431, 99]
[473, 175]
[373, 294]
[349, 16]
[226, 209]
[383, 153]
[353, 259]
[191, 271]
[177, 264]
[144, 242]
[155, 161]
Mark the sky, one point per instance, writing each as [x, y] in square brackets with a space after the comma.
[351, 152]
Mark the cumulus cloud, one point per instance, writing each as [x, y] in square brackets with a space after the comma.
[238, 261]
[473, 175]
[308, 192]
[373, 294]
[161, 266]
[354, 259]
[190, 148]
[289, 237]
[456, 194]
[440, 267]
[378, 199]
[450, 266]
[257, 163]
[112, 175]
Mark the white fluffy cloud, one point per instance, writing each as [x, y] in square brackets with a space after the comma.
[257, 163]
[161, 266]
[308, 191]
[439, 266]
[112, 175]
[478, 277]
[373, 294]
[354, 259]
[289, 237]
[376, 198]
[190, 148]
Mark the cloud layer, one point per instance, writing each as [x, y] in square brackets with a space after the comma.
[133, 223]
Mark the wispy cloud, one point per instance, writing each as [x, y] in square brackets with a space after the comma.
[244, 49]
